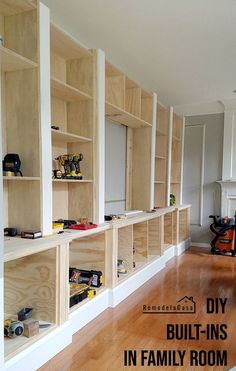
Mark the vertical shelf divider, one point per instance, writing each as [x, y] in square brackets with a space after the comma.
[45, 119]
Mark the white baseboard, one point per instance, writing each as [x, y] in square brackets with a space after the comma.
[88, 311]
[32, 358]
[169, 254]
[200, 244]
[182, 247]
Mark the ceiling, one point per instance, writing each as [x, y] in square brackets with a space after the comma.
[183, 50]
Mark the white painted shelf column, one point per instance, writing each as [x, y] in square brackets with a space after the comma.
[153, 151]
[45, 119]
[171, 112]
[99, 143]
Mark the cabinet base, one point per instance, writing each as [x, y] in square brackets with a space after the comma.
[39, 353]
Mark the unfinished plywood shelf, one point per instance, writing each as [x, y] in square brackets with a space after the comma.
[66, 92]
[20, 178]
[121, 116]
[159, 181]
[72, 181]
[158, 157]
[62, 136]
[12, 61]
[174, 137]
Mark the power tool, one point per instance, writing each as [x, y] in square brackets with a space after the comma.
[71, 164]
[13, 328]
[90, 278]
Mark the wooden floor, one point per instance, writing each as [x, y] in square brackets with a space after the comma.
[100, 345]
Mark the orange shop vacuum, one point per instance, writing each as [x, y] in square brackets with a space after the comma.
[224, 241]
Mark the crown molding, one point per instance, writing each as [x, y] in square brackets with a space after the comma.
[229, 104]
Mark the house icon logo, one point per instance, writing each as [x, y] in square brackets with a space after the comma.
[185, 305]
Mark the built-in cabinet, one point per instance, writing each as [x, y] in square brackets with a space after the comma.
[55, 96]
[146, 238]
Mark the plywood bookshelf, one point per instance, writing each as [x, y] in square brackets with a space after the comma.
[126, 102]
[161, 156]
[73, 95]
[129, 104]
[20, 118]
[176, 157]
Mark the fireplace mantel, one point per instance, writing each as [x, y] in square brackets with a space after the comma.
[226, 182]
[228, 197]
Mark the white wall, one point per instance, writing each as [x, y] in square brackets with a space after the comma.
[115, 168]
[212, 155]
